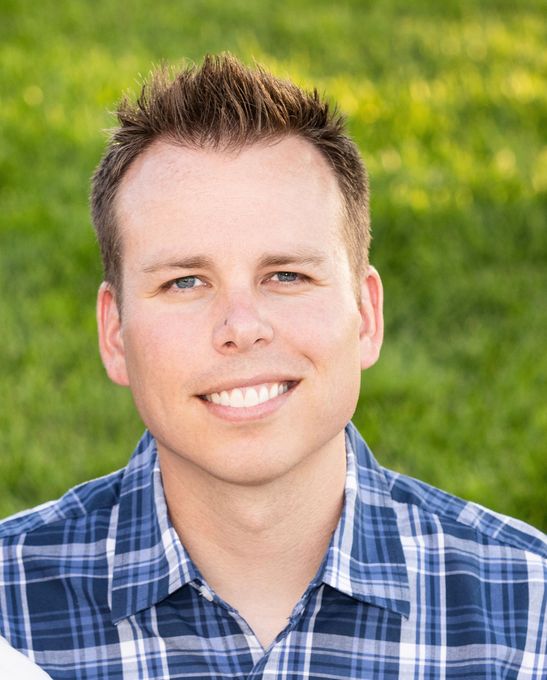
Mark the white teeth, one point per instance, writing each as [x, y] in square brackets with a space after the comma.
[246, 397]
[251, 397]
[236, 399]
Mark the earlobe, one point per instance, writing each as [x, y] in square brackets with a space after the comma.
[372, 317]
[111, 345]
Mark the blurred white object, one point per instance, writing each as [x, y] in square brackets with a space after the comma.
[13, 664]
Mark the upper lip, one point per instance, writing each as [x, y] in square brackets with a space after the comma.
[232, 384]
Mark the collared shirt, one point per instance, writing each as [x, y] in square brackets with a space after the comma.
[415, 584]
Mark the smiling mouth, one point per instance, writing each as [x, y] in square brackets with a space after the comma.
[246, 397]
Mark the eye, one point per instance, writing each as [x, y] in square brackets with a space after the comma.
[287, 277]
[186, 282]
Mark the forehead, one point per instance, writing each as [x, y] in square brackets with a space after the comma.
[283, 191]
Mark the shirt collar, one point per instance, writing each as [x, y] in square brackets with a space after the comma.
[149, 561]
[365, 558]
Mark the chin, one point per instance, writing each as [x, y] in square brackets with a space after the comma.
[249, 472]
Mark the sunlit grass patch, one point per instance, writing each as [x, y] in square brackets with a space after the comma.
[448, 102]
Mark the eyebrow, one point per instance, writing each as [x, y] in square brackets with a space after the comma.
[300, 257]
[192, 262]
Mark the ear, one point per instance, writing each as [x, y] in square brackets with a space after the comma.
[372, 317]
[111, 345]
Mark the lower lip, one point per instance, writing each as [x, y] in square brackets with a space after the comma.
[247, 413]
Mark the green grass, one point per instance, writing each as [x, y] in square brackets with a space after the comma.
[448, 102]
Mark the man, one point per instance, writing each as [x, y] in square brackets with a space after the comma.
[252, 534]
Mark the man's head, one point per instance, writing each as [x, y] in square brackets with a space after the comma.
[223, 105]
[245, 325]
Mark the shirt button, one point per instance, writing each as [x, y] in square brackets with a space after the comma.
[206, 593]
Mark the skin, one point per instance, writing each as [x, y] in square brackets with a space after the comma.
[235, 273]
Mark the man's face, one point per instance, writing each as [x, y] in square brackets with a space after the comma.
[241, 337]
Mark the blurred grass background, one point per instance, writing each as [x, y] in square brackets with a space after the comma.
[448, 102]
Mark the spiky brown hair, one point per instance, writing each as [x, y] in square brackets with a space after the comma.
[223, 105]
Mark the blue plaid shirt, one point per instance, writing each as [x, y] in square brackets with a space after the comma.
[415, 584]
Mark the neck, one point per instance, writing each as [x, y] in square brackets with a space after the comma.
[306, 500]
[255, 542]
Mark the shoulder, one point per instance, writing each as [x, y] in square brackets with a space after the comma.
[82, 502]
[425, 509]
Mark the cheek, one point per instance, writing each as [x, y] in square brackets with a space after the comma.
[328, 336]
[328, 333]
[160, 346]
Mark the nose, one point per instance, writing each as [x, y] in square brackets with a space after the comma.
[241, 326]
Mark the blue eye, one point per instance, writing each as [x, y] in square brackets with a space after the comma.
[187, 282]
[286, 277]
